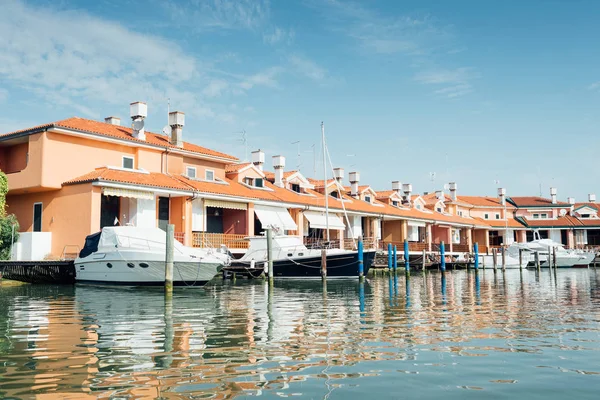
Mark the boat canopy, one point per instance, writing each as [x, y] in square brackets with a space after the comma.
[319, 220]
[275, 217]
[134, 237]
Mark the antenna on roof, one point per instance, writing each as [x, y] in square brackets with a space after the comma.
[167, 129]
[297, 142]
[244, 141]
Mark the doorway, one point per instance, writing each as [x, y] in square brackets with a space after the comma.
[163, 212]
[109, 211]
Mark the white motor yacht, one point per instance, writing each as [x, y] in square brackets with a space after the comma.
[126, 255]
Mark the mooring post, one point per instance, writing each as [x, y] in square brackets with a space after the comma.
[424, 260]
[270, 254]
[536, 256]
[521, 259]
[554, 257]
[395, 258]
[323, 264]
[170, 246]
[495, 258]
[503, 258]
[550, 257]
[361, 265]
[406, 257]
[442, 257]
[389, 256]
[476, 251]
[483, 258]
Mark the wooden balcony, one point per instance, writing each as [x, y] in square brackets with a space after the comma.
[213, 240]
[461, 248]
[412, 246]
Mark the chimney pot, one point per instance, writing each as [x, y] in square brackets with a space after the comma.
[553, 195]
[453, 188]
[571, 200]
[354, 179]
[113, 120]
[177, 121]
[591, 198]
[258, 158]
[338, 174]
[279, 165]
[139, 109]
[439, 194]
[407, 189]
[502, 196]
[176, 118]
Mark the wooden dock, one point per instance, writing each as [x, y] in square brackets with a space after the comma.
[54, 272]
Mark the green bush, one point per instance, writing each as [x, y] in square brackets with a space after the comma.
[6, 233]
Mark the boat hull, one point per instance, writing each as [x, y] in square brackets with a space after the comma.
[144, 272]
[340, 265]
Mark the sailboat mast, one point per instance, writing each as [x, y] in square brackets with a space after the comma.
[325, 182]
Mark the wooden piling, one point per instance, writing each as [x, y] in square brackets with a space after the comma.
[503, 258]
[424, 261]
[476, 251]
[536, 256]
[442, 257]
[406, 257]
[389, 256]
[395, 258]
[323, 263]
[495, 258]
[361, 266]
[550, 257]
[169, 257]
[554, 257]
[521, 259]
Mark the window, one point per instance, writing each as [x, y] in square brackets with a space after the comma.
[486, 216]
[543, 215]
[248, 181]
[295, 187]
[334, 194]
[368, 199]
[536, 216]
[497, 216]
[418, 206]
[439, 209]
[394, 203]
[209, 175]
[190, 172]
[127, 162]
[37, 217]
[585, 215]
[460, 213]
[258, 182]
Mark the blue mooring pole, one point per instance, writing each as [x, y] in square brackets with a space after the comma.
[389, 256]
[406, 257]
[442, 257]
[361, 263]
[395, 259]
[476, 251]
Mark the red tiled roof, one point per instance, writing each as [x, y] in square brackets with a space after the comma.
[121, 132]
[533, 201]
[271, 175]
[565, 221]
[595, 206]
[235, 167]
[499, 223]
[155, 180]
[484, 201]
[385, 193]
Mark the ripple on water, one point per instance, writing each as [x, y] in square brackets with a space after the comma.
[513, 334]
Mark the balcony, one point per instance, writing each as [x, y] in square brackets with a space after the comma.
[214, 240]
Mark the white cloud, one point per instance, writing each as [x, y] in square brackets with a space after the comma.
[452, 82]
[267, 78]
[279, 35]
[594, 86]
[307, 67]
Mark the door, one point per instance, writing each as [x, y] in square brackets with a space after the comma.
[163, 213]
[109, 211]
[37, 217]
[563, 237]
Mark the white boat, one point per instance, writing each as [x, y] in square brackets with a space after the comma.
[565, 258]
[126, 255]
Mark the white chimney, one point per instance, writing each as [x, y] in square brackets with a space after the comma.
[407, 189]
[258, 158]
[439, 194]
[397, 187]
[502, 196]
[571, 200]
[453, 188]
[354, 179]
[279, 165]
[138, 112]
[591, 198]
[113, 120]
[553, 195]
[177, 121]
[338, 174]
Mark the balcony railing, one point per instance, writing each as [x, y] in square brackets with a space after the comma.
[461, 248]
[412, 246]
[213, 240]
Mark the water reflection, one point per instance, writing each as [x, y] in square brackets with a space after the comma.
[454, 331]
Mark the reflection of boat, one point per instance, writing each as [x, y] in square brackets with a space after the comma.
[136, 256]
[291, 258]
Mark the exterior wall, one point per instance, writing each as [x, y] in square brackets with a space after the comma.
[528, 212]
[249, 230]
[30, 177]
[177, 210]
[480, 213]
[481, 237]
[14, 158]
[235, 222]
[392, 231]
[202, 165]
[150, 160]
[67, 213]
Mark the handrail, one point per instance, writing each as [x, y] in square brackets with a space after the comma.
[64, 252]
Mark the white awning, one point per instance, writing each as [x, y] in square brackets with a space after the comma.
[275, 217]
[231, 205]
[121, 192]
[319, 220]
[417, 224]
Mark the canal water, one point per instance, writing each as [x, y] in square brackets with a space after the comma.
[505, 335]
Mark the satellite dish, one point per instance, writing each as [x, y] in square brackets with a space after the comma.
[563, 212]
[138, 124]
[166, 130]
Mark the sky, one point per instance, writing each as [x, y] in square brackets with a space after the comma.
[484, 94]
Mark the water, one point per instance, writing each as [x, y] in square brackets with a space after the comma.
[534, 336]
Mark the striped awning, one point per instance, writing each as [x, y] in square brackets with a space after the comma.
[122, 192]
[231, 205]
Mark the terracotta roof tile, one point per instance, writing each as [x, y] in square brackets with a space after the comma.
[122, 132]
[565, 221]
[534, 201]
[235, 167]
[155, 180]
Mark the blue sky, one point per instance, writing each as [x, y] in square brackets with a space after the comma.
[474, 91]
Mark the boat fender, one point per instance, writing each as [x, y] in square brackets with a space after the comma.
[252, 263]
[266, 268]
